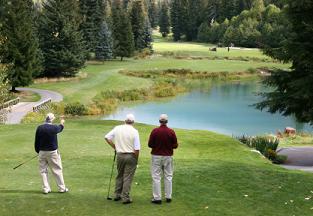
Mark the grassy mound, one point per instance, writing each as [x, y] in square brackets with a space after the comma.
[214, 175]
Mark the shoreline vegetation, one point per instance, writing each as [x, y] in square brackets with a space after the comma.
[166, 83]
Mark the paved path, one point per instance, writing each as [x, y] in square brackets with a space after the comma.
[21, 109]
[300, 158]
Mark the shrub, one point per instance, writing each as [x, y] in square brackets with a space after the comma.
[76, 109]
[143, 54]
[34, 117]
[266, 145]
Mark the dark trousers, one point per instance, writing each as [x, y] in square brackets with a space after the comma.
[126, 167]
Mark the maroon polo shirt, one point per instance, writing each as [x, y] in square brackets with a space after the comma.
[162, 141]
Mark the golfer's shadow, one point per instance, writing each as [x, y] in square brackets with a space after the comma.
[7, 191]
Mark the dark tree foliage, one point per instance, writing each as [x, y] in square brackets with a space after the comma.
[104, 49]
[60, 38]
[148, 35]
[164, 19]
[92, 15]
[137, 20]
[153, 13]
[176, 19]
[123, 39]
[193, 20]
[293, 90]
[19, 43]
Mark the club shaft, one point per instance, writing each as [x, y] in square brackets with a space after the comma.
[25, 162]
[111, 174]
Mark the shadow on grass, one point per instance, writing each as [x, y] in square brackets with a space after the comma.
[8, 191]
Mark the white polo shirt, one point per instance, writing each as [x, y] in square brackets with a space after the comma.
[125, 137]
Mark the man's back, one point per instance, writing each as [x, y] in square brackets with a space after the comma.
[124, 137]
[162, 141]
[46, 137]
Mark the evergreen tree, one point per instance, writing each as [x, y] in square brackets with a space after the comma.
[123, 39]
[293, 90]
[164, 19]
[193, 19]
[148, 35]
[153, 13]
[104, 49]
[19, 49]
[137, 20]
[176, 19]
[60, 38]
[203, 33]
[92, 13]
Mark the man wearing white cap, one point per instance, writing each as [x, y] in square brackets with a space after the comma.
[46, 144]
[125, 140]
[162, 141]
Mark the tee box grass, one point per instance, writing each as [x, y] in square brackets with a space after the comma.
[214, 175]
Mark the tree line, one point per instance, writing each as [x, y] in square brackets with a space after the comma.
[54, 38]
[248, 23]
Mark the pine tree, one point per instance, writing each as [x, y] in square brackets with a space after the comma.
[92, 12]
[104, 49]
[123, 39]
[60, 38]
[164, 19]
[193, 19]
[19, 50]
[176, 19]
[137, 19]
[153, 13]
[203, 33]
[292, 92]
[148, 35]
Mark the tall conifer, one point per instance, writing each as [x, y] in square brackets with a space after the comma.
[60, 38]
[19, 49]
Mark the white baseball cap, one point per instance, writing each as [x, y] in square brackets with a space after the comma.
[130, 117]
[163, 117]
[50, 117]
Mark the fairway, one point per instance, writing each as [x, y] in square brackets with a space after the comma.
[214, 175]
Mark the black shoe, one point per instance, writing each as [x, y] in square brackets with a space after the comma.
[168, 200]
[156, 201]
[127, 202]
[117, 198]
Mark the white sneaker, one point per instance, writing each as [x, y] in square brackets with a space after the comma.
[46, 191]
[64, 191]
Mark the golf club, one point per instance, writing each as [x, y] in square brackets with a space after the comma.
[25, 162]
[108, 197]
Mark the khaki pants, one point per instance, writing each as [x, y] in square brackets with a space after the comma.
[126, 167]
[51, 159]
[162, 165]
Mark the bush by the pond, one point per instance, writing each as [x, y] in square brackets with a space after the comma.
[107, 101]
[76, 109]
[188, 74]
[266, 145]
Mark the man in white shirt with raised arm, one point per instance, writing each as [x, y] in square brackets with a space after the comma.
[125, 140]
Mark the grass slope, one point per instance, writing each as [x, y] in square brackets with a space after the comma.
[213, 173]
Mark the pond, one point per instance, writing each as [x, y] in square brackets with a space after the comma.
[223, 108]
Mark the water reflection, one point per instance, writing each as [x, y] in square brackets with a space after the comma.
[221, 107]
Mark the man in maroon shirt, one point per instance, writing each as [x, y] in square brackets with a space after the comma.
[162, 141]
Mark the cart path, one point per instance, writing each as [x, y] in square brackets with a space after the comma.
[19, 110]
[299, 158]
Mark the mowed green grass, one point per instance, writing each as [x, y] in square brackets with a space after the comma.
[214, 175]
